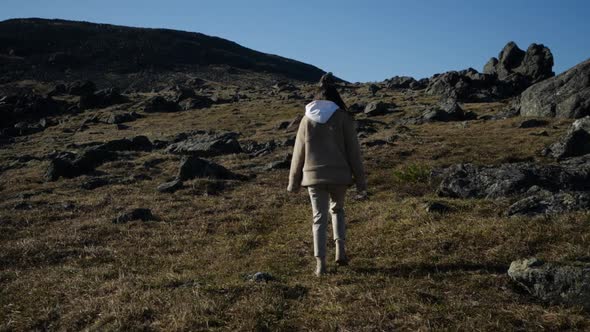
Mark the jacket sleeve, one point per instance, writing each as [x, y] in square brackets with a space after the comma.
[353, 152]
[298, 159]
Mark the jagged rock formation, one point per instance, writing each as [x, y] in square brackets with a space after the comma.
[502, 78]
[536, 64]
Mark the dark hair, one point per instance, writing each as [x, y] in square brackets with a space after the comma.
[327, 91]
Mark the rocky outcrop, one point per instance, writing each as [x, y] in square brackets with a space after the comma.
[537, 188]
[554, 283]
[512, 73]
[535, 65]
[564, 96]
[575, 142]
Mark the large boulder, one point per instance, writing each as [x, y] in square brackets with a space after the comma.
[554, 283]
[207, 145]
[535, 64]
[564, 96]
[575, 142]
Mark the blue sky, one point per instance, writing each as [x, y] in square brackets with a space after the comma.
[357, 40]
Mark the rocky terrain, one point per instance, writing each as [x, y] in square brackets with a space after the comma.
[148, 192]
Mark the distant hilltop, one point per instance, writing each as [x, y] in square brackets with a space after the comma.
[33, 47]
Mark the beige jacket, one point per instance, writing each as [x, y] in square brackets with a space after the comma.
[326, 149]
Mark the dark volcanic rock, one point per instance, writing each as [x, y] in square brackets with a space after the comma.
[552, 282]
[207, 145]
[159, 104]
[564, 96]
[135, 214]
[575, 142]
[193, 167]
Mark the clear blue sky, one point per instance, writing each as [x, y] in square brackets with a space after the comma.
[357, 40]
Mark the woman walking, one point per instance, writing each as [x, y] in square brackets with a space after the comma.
[327, 160]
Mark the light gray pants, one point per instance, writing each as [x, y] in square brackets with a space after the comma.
[327, 200]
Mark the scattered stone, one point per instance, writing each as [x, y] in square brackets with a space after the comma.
[575, 142]
[101, 99]
[95, 182]
[207, 145]
[137, 143]
[284, 163]
[375, 108]
[375, 142]
[159, 104]
[80, 88]
[68, 165]
[554, 283]
[118, 118]
[194, 167]
[533, 123]
[170, 187]
[260, 277]
[436, 207]
[196, 102]
[564, 96]
[135, 214]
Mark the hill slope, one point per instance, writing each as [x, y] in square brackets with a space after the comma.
[32, 47]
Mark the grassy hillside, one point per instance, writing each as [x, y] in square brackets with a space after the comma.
[66, 266]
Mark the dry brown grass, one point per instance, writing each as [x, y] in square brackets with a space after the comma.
[75, 270]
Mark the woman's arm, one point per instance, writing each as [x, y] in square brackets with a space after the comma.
[353, 151]
[298, 159]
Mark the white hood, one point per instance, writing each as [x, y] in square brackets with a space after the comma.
[320, 111]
